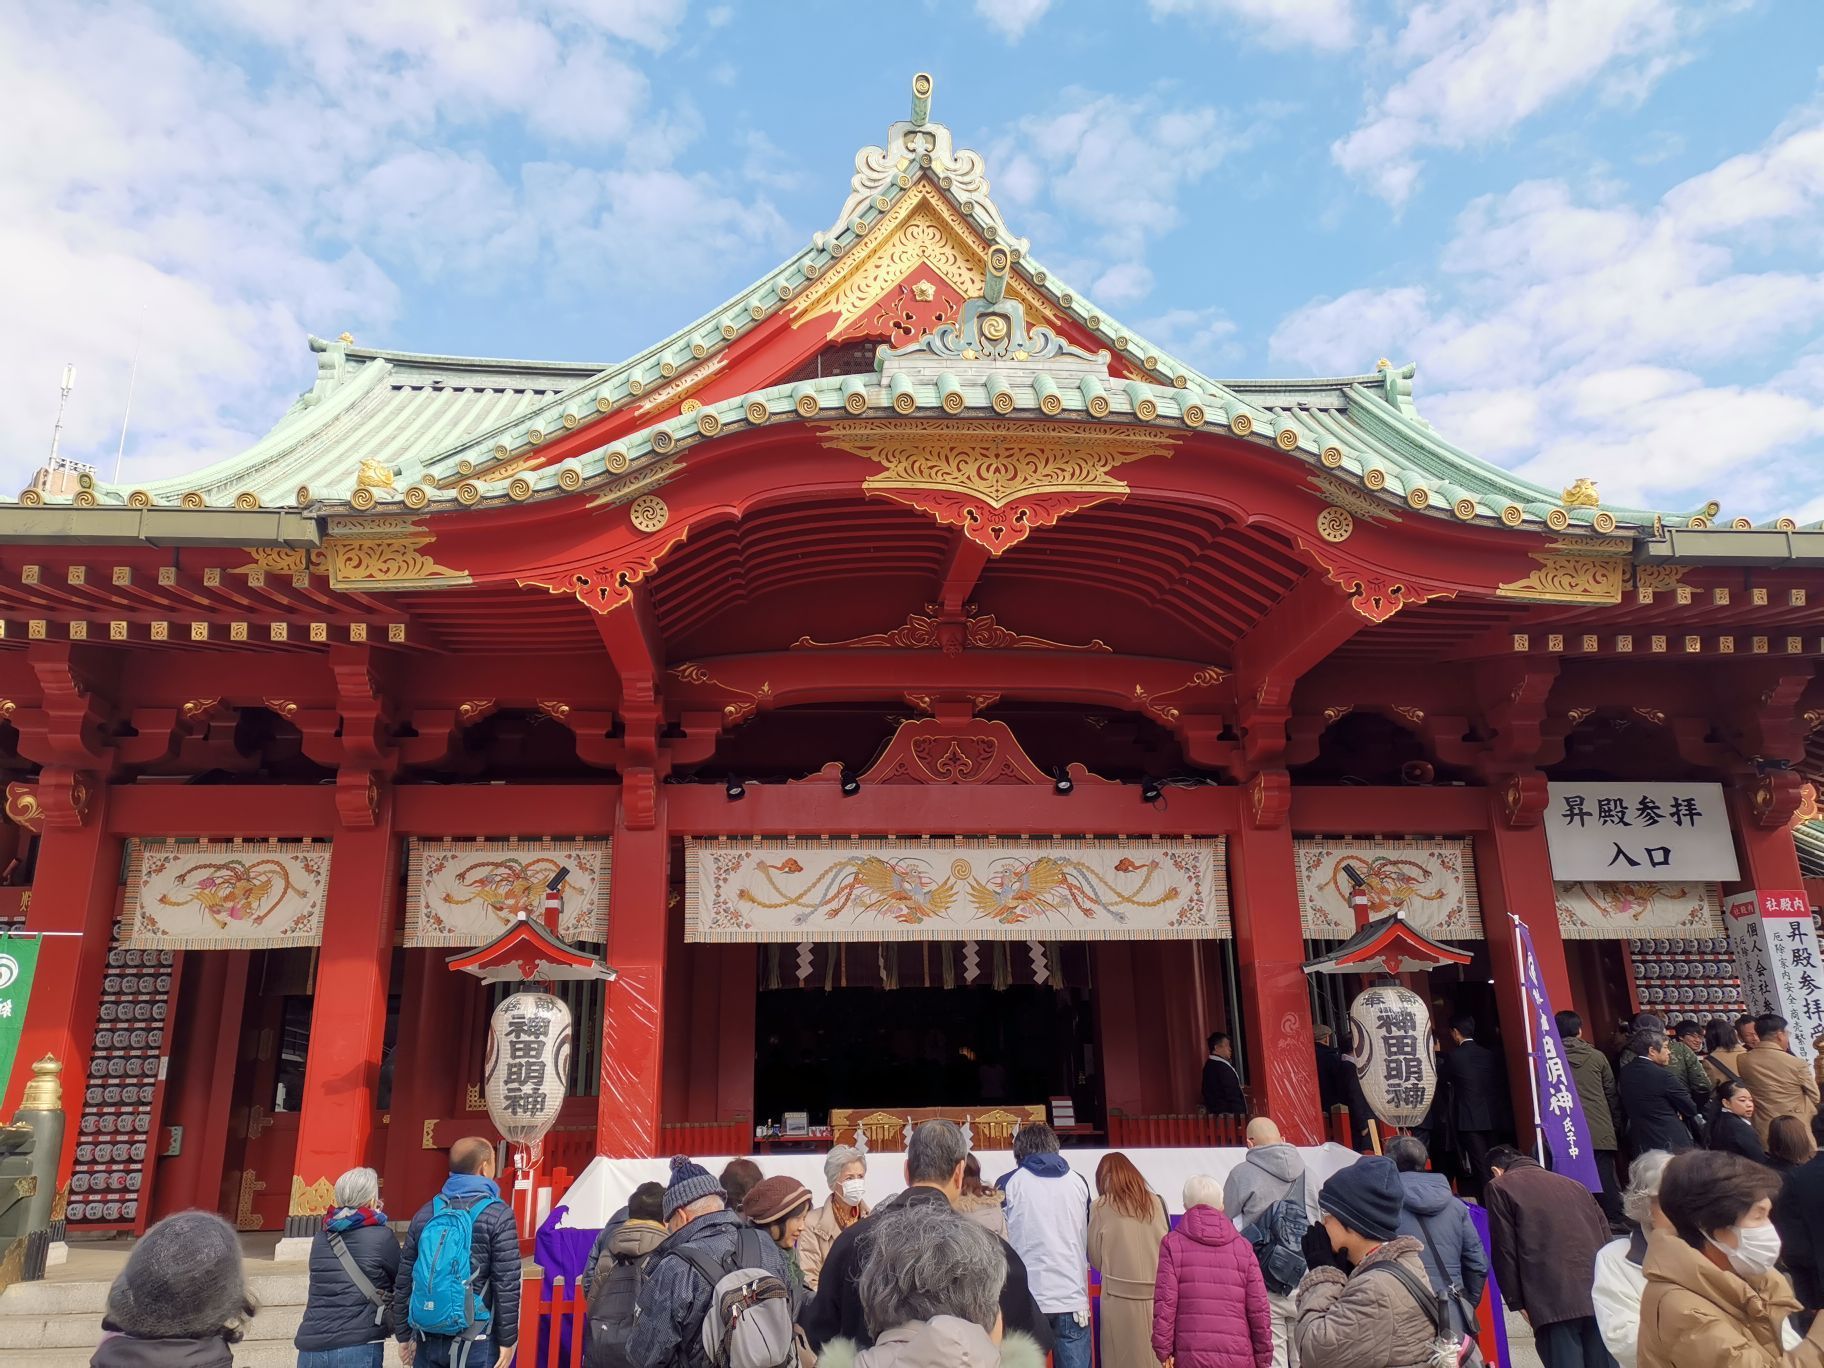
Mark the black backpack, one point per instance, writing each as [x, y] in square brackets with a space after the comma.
[612, 1295]
[1278, 1238]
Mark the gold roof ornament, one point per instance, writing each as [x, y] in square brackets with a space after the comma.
[374, 474]
[1582, 493]
[346, 338]
[44, 1092]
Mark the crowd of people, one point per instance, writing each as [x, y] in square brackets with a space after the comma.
[1712, 1254]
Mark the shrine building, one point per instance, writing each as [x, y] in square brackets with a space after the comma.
[924, 691]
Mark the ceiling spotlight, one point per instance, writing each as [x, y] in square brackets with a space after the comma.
[850, 784]
[1150, 792]
[735, 789]
[1061, 782]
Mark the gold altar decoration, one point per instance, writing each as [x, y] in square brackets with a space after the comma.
[465, 893]
[991, 1127]
[1432, 882]
[1625, 911]
[795, 890]
[224, 895]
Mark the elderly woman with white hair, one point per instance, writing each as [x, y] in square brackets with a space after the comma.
[354, 1260]
[1620, 1279]
[931, 1293]
[845, 1170]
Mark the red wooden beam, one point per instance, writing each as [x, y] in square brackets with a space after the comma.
[1364, 811]
[962, 572]
[222, 811]
[1298, 633]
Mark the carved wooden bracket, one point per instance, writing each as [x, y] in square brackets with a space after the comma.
[1773, 797]
[1269, 799]
[955, 748]
[1523, 799]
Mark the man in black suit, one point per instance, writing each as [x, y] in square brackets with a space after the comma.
[1338, 1085]
[1221, 1084]
[1659, 1108]
[1475, 1098]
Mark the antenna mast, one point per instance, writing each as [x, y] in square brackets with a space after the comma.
[69, 381]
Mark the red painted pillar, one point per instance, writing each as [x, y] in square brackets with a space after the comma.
[740, 1006]
[1769, 859]
[425, 1084]
[76, 889]
[1269, 943]
[1117, 1027]
[200, 1094]
[633, 1024]
[1514, 874]
[348, 1017]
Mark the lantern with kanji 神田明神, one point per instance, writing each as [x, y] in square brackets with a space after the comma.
[1395, 1056]
[528, 1069]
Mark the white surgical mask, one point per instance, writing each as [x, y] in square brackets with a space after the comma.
[853, 1190]
[1758, 1253]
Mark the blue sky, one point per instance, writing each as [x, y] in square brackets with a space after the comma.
[1595, 224]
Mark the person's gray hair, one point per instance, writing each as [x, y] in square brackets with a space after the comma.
[839, 1158]
[1643, 1185]
[1202, 1190]
[925, 1261]
[359, 1187]
[1644, 1042]
[936, 1148]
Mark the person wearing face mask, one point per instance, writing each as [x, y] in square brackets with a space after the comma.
[1713, 1294]
[845, 1169]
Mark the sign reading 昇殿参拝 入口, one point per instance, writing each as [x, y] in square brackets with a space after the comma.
[1639, 833]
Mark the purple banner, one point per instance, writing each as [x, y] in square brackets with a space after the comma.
[1561, 1120]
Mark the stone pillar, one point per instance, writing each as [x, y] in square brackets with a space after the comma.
[348, 1014]
[633, 1020]
[1269, 944]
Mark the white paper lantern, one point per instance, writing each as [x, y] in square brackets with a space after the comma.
[528, 1067]
[1395, 1055]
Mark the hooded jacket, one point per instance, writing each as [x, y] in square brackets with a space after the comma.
[1048, 1223]
[1696, 1315]
[668, 1318]
[1267, 1175]
[941, 1342]
[1597, 1090]
[337, 1314]
[1451, 1250]
[1209, 1301]
[1364, 1319]
[493, 1257]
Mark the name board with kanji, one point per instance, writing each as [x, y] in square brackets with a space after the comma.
[1639, 833]
[1776, 953]
[1395, 1055]
[528, 1066]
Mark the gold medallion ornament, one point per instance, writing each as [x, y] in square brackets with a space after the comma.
[649, 513]
[1335, 524]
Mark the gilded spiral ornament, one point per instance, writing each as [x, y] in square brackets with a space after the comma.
[1375, 478]
[1331, 456]
[649, 513]
[807, 405]
[417, 496]
[708, 423]
[1335, 524]
[519, 488]
[468, 493]
[615, 460]
[757, 411]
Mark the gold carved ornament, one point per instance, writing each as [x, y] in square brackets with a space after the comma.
[22, 807]
[606, 586]
[1569, 573]
[384, 553]
[44, 1092]
[1582, 493]
[245, 1217]
[926, 632]
[921, 229]
[746, 703]
[312, 1199]
[1151, 702]
[996, 480]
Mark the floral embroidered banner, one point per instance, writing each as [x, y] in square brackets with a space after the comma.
[1432, 881]
[1623, 911]
[467, 892]
[238, 895]
[795, 891]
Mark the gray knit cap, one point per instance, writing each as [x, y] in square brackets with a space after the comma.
[690, 1182]
[183, 1280]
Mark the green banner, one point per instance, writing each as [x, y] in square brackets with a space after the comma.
[18, 965]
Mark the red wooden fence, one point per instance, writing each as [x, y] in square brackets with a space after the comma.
[698, 1138]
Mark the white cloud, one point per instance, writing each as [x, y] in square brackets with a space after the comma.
[1566, 334]
[1116, 168]
[1203, 337]
[290, 174]
[1328, 25]
[1475, 69]
[1011, 18]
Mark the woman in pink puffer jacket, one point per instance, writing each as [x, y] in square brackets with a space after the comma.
[1209, 1301]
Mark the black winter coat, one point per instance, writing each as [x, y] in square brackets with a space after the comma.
[495, 1259]
[1798, 1214]
[1222, 1089]
[1658, 1107]
[1733, 1135]
[125, 1351]
[336, 1314]
[1470, 1079]
[835, 1312]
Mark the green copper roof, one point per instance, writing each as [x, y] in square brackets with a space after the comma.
[433, 421]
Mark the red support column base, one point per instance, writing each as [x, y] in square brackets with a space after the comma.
[633, 1021]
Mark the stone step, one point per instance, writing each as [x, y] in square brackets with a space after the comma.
[251, 1354]
[56, 1298]
[61, 1331]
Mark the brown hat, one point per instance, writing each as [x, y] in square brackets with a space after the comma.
[774, 1199]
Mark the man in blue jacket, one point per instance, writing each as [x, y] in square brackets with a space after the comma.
[1434, 1216]
[493, 1256]
[1048, 1226]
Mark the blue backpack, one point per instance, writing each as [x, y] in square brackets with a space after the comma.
[443, 1274]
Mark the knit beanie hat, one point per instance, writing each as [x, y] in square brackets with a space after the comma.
[690, 1182]
[183, 1280]
[1366, 1197]
[773, 1199]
